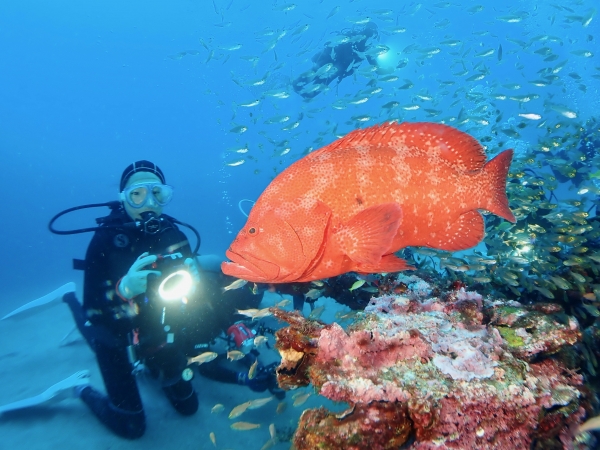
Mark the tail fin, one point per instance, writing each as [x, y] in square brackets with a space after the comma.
[494, 175]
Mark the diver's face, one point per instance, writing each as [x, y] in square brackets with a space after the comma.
[151, 205]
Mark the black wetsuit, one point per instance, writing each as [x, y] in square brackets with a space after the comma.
[109, 321]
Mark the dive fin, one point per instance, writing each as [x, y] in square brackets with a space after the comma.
[48, 298]
[60, 391]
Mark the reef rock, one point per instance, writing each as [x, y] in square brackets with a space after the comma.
[435, 373]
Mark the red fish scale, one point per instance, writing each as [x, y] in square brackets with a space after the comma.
[356, 177]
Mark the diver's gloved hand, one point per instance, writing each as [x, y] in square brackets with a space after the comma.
[136, 280]
[259, 383]
[192, 266]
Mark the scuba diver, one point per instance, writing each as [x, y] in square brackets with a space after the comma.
[148, 302]
[338, 59]
[241, 349]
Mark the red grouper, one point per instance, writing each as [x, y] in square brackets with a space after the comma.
[349, 206]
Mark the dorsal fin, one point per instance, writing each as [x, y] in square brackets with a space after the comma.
[463, 151]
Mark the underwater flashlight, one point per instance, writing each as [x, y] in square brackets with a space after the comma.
[176, 286]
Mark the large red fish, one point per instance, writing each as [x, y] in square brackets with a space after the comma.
[350, 205]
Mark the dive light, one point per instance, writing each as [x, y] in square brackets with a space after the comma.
[176, 281]
[178, 285]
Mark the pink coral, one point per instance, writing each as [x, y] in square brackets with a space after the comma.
[364, 389]
[461, 386]
[469, 295]
[369, 350]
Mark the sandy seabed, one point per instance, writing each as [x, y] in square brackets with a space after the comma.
[32, 360]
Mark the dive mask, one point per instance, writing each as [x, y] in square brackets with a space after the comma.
[147, 194]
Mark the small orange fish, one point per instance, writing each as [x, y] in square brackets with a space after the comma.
[350, 205]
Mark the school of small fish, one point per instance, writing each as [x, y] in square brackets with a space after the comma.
[486, 79]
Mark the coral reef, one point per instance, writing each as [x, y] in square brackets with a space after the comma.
[390, 423]
[451, 372]
[529, 332]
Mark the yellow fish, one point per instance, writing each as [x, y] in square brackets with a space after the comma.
[301, 399]
[357, 284]
[281, 407]
[203, 358]
[313, 294]
[217, 409]
[248, 312]
[257, 403]
[239, 410]
[234, 355]
[255, 313]
[252, 371]
[213, 438]
[316, 313]
[235, 285]
[591, 424]
[270, 443]
[243, 426]
[260, 340]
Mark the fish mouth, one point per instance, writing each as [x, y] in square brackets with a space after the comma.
[249, 268]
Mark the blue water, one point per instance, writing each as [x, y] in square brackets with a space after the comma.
[86, 88]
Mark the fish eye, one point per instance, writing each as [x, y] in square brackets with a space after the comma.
[251, 230]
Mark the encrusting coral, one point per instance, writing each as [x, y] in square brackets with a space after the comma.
[451, 372]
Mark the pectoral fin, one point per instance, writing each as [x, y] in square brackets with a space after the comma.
[367, 236]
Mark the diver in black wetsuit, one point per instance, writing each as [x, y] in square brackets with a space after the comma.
[126, 318]
[240, 337]
[337, 61]
[115, 275]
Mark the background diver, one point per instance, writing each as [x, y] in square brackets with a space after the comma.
[338, 59]
[132, 311]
